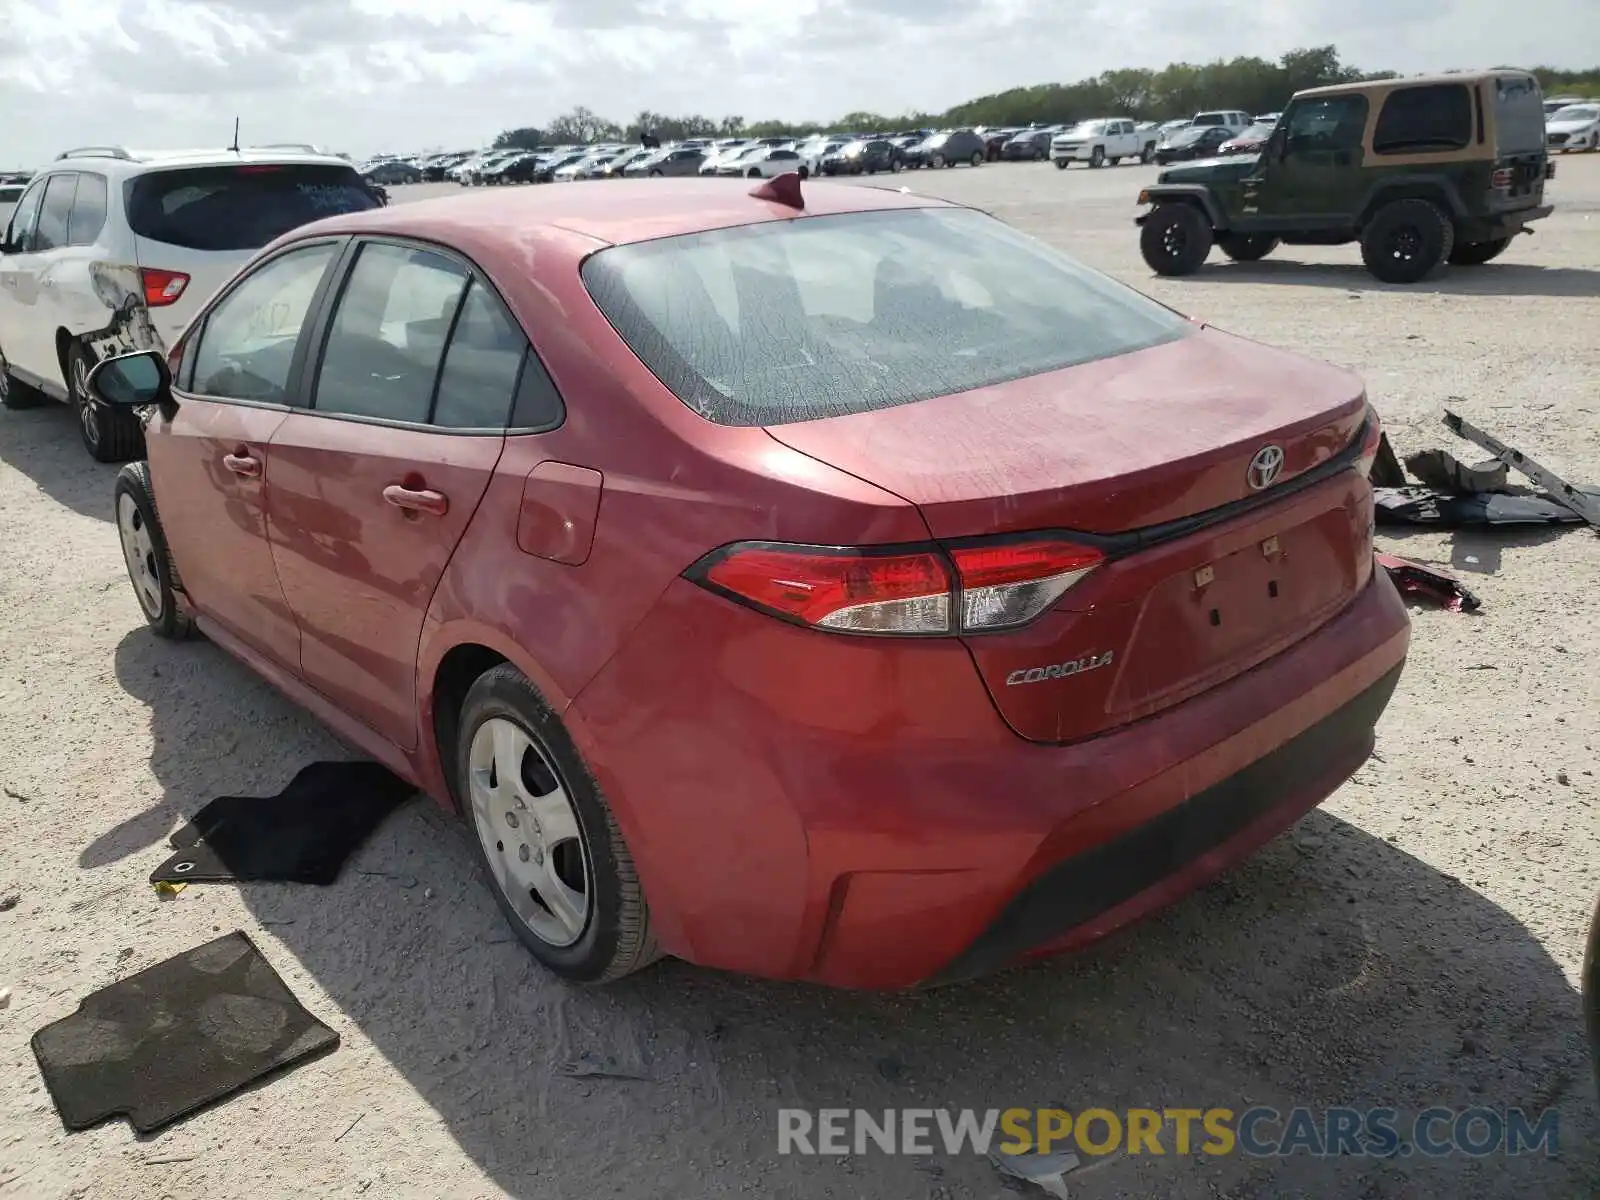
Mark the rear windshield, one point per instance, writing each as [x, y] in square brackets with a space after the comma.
[1518, 114]
[824, 316]
[240, 207]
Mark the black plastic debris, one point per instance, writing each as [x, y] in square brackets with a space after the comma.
[1415, 505]
[304, 834]
[1455, 495]
[1428, 583]
[1444, 472]
[176, 1037]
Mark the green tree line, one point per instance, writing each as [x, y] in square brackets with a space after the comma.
[1176, 90]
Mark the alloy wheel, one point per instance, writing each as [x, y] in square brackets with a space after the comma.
[88, 414]
[140, 554]
[530, 832]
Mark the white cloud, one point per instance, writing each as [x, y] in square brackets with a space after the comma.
[366, 75]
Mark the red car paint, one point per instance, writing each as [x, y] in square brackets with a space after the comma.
[868, 812]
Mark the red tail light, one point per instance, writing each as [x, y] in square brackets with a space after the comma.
[1371, 436]
[162, 287]
[906, 590]
[1501, 178]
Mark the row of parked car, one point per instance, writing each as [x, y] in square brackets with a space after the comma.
[1094, 143]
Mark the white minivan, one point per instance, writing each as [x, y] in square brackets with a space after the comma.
[110, 250]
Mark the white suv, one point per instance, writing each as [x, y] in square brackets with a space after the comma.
[111, 250]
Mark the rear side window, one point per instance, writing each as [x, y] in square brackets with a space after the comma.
[88, 210]
[240, 207]
[797, 320]
[388, 333]
[1423, 119]
[481, 365]
[20, 231]
[1519, 114]
[55, 215]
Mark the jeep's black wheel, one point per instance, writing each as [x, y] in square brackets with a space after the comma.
[1475, 254]
[1406, 241]
[1247, 247]
[1175, 239]
[15, 394]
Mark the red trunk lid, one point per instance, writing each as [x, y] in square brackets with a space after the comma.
[1123, 444]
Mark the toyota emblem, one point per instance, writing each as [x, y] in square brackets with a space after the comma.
[1265, 467]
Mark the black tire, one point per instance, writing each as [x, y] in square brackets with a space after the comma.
[1407, 240]
[1247, 247]
[804, 172]
[1147, 154]
[1061, 164]
[1475, 254]
[896, 166]
[110, 435]
[753, 173]
[1175, 239]
[936, 161]
[977, 158]
[1097, 157]
[14, 394]
[655, 174]
[616, 939]
[149, 563]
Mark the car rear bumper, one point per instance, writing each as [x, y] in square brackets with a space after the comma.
[808, 806]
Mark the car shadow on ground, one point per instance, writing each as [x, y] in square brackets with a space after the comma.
[1286, 983]
[44, 445]
[1493, 279]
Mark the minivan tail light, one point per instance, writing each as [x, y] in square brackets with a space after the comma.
[162, 287]
[918, 590]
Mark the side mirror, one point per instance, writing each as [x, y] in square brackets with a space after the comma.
[132, 380]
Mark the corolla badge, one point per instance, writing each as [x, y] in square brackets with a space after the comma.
[1265, 467]
[1073, 666]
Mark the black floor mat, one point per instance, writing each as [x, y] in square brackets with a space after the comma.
[301, 835]
[176, 1037]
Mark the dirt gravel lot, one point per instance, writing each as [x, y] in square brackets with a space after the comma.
[1414, 942]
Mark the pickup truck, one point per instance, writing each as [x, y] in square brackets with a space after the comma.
[1097, 142]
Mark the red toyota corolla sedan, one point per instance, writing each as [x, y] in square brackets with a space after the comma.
[842, 587]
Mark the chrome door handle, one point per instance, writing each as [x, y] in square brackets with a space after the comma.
[417, 499]
[242, 464]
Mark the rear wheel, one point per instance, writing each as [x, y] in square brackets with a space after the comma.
[111, 435]
[804, 172]
[1406, 241]
[937, 160]
[977, 158]
[1175, 239]
[15, 394]
[555, 858]
[1475, 254]
[753, 173]
[1247, 247]
[144, 548]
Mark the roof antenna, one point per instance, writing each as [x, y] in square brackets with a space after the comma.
[235, 146]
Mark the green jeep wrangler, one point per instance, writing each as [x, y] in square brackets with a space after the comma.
[1419, 171]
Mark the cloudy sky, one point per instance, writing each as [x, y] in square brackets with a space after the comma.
[371, 75]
